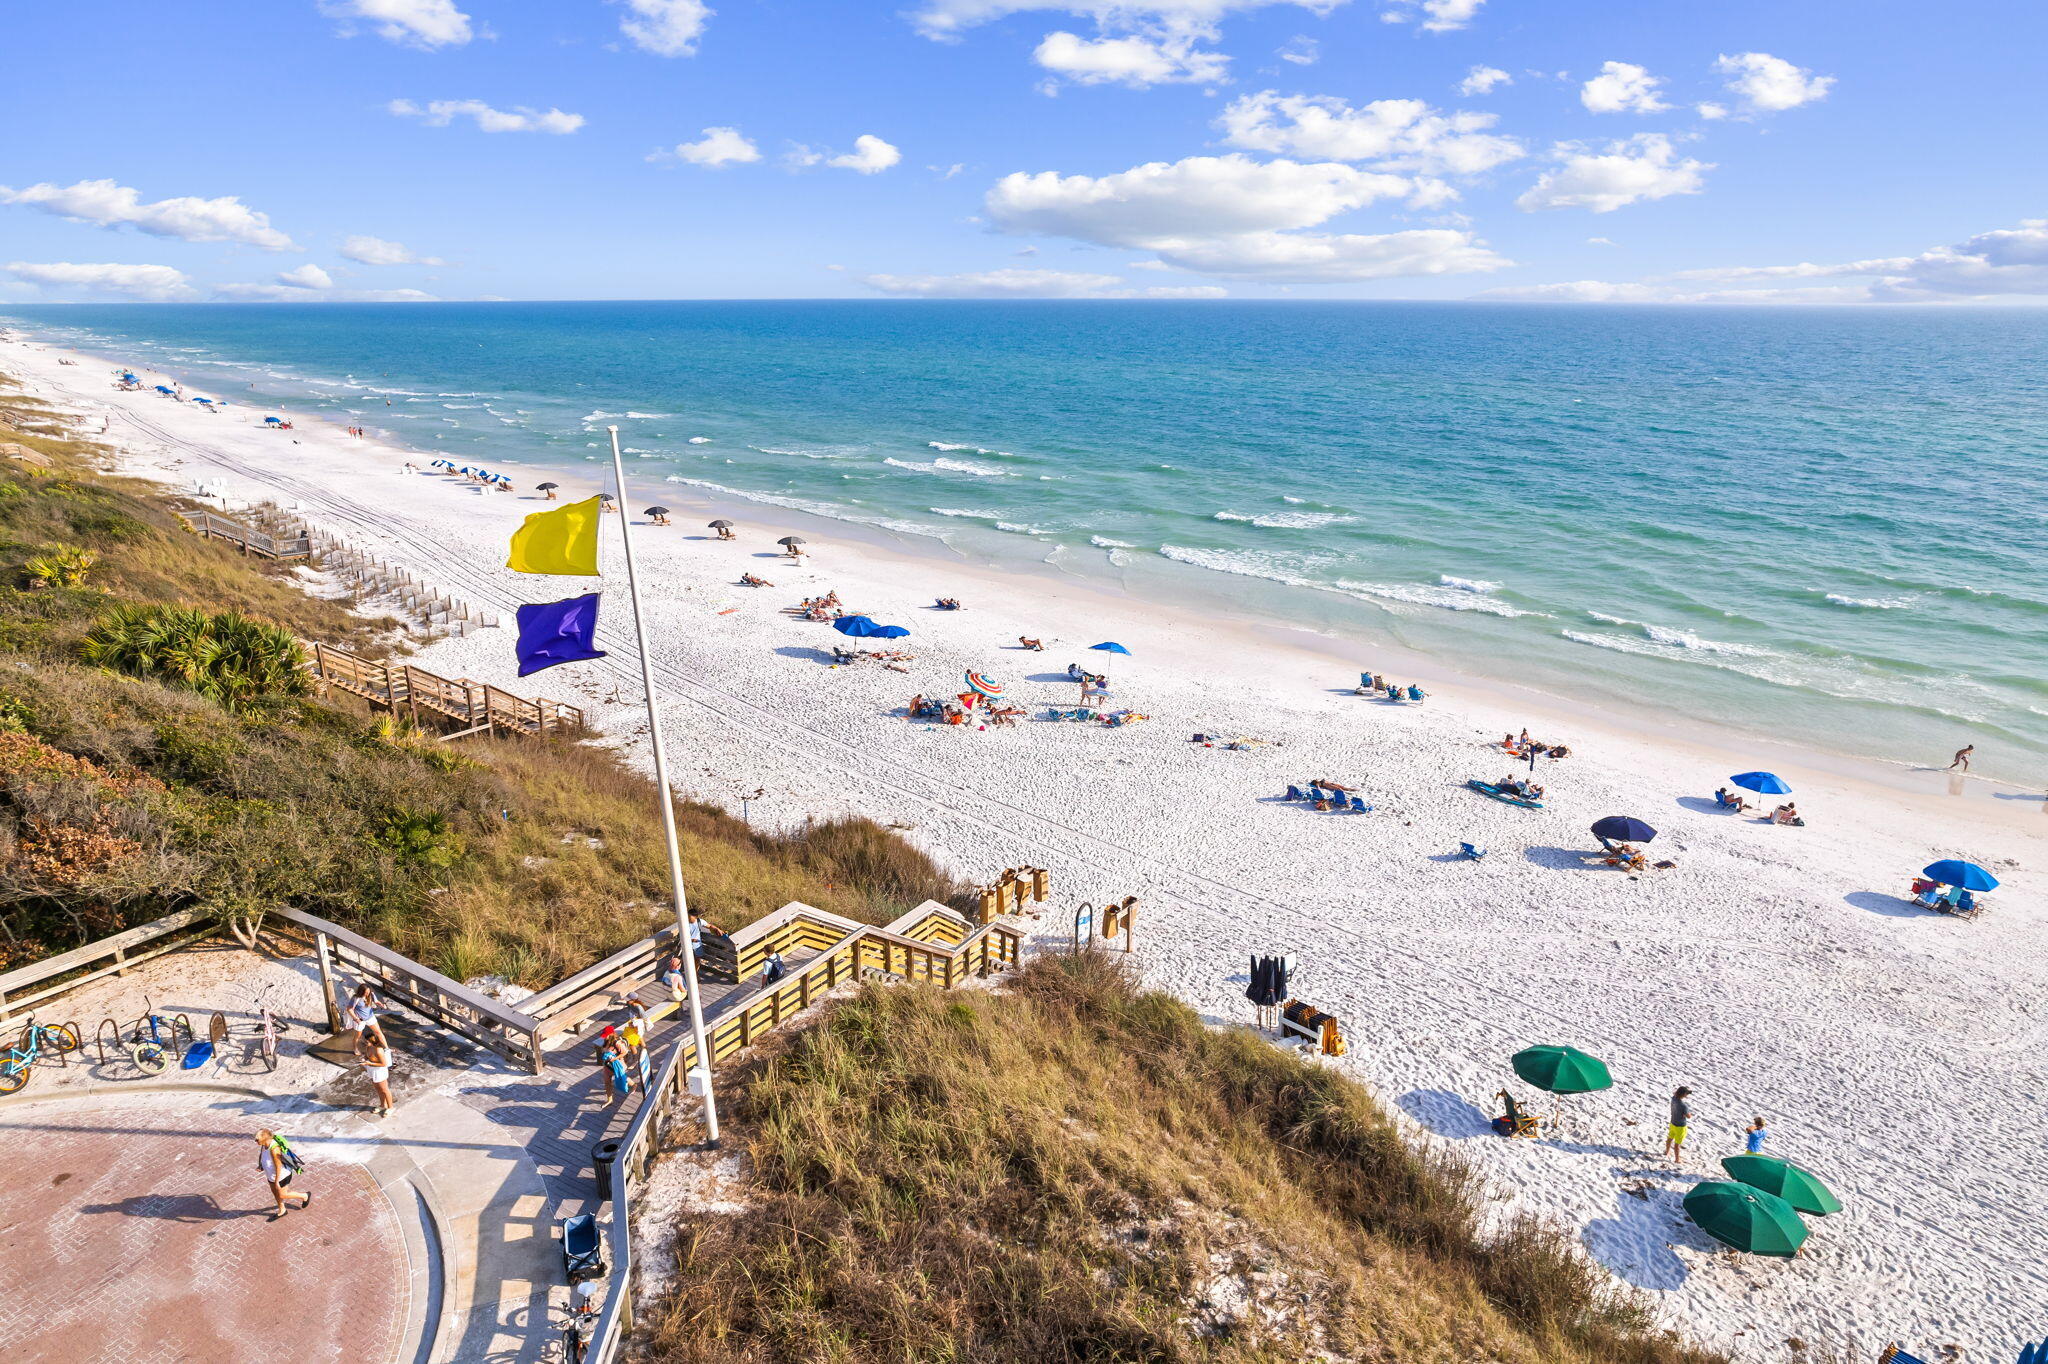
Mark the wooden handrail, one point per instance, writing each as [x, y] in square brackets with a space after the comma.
[473, 705]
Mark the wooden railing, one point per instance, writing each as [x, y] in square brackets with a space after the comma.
[24, 987]
[248, 539]
[512, 1033]
[477, 707]
[983, 951]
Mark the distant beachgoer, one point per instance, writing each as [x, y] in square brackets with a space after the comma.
[1525, 738]
[672, 976]
[617, 1083]
[362, 1014]
[277, 1163]
[773, 970]
[1754, 1136]
[1036, 646]
[1962, 758]
[1681, 1119]
[376, 1064]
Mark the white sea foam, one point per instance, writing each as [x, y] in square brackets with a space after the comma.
[700, 440]
[1467, 584]
[651, 416]
[942, 465]
[457, 407]
[1438, 596]
[967, 512]
[1611, 620]
[1104, 542]
[1686, 639]
[597, 416]
[1870, 603]
[833, 511]
[1287, 520]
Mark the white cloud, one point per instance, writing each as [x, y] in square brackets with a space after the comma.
[291, 293]
[108, 204]
[1622, 88]
[1136, 60]
[441, 112]
[2005, 263]
[1768, 85]
[1645, 166]
[1300, 50]
[947, 172]
[308, 276]
[1237, 217]
[1710, 110]
[365, 250]
[948, 19]
[153, 282]
[419, 23]
[1010, 283]
[1397, 134]
[718, 147]
[1601, 291]
[1186, 291]
[1481, 80]
[870, 156]
[667, 28]
[1436, 16]
[1599, 241]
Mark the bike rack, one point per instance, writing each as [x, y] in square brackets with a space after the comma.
[77, 1043]
[180, 1023]
[217, 1028]
[99, 1037]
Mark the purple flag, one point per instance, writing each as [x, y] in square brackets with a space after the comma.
[557, 632]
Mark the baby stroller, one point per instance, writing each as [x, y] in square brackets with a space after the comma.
[582, 1248]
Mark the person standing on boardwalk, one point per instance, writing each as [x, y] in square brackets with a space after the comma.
[672, 977]
[634, 1035]
[362, 1013]
[1962, 758]
[376, 1062]
[617, 1083]
[277, 1163]
[1681, 1119]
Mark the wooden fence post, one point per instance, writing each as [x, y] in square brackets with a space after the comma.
[326, 983]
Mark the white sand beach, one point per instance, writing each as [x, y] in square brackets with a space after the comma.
[1777, 971]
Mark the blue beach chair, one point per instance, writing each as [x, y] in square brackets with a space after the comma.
[1359, 807]
[1471, 852]
[1296, 793]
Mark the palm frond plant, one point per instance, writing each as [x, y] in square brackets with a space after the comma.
[65, 566]
[224, 656]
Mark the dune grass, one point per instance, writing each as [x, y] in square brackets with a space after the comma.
[124, 797]
[1076, 1169]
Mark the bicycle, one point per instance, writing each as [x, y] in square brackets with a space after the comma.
[152, 1054]
[269, 1028]
[35, 1039]
[579, 1323]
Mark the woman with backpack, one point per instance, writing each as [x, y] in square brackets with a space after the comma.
[277, 1163]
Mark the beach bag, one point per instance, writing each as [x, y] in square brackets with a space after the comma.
[1333, 1038]
[288, 1158]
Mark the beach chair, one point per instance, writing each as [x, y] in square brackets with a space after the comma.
[1471, 852]
[1359, 807]
[1295, 793]
[1892, 1354]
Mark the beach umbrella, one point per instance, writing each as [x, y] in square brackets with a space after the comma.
[273, 421]
[547, 487]
[1799, 1187]
[791, 540]
[718, 525]
[860, 627]
[1763, 783]
[890, 632]
[1953, 872]
[1111, 646]
[1746, 1218]
[987, 686]
[655, 511]
[1622, 829]
[1561, 1070]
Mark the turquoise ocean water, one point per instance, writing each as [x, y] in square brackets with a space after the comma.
[1825, 526]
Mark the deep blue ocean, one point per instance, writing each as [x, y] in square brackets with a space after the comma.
[1827, 526]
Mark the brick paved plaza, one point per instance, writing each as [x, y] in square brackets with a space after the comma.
[141, 1233]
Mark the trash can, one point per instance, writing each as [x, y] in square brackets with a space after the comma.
[603, 1156]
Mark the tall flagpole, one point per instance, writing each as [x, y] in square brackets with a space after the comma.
[700, 1074]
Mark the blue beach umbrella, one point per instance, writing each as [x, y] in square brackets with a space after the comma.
[1622, 829]
[860, 627]
[273, 421]
[1953, 872]
[1763, 783]
[1111, 646]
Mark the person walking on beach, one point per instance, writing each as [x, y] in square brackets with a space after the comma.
[1754, 1136]
[1681, 1119]
[376, 1063]
[277, 1163]
[1962, 758]
[362, 1013]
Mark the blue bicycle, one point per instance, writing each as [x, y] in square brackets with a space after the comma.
[38, 1042]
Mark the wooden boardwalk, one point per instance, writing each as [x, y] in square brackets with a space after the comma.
[475, 707]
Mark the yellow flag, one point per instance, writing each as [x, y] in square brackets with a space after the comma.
[559, 541]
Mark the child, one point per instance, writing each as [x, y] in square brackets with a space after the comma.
[1681, 1119]
[1754, 1136]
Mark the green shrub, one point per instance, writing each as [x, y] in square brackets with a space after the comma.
[227, 657]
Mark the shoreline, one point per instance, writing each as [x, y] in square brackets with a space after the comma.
[1778, 971]
[1339, 651]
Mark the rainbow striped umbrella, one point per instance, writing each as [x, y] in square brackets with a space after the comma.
[987, 686]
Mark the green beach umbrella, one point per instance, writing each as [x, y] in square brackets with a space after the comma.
[1561, 1070]
[1799, 1187]
[1746, 1218]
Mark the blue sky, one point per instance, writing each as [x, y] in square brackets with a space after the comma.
[1823, 151]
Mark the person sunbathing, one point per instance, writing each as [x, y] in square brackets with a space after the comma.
[1787, 814]
[948, 604]
[1731, 800]
[749, 580]
[1035, 645]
